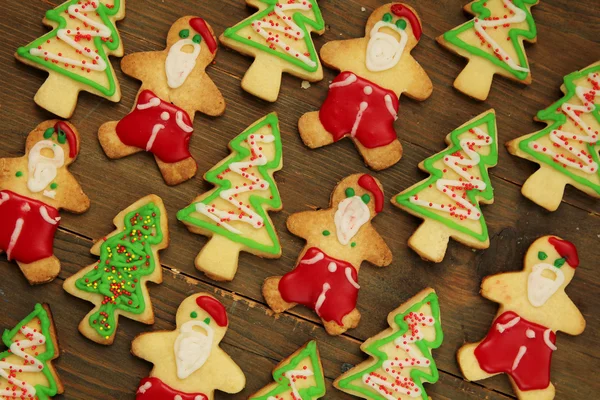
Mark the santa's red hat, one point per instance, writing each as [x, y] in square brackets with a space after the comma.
[566, 250]
[369, 183]
[200, 26]
[401, 11]
[62, 128]
[214, 308]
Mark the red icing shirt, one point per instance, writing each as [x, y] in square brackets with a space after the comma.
[155, 389]
[326, 285]
[27, 227]
[520, 349]
[360, 109]
[158, 127]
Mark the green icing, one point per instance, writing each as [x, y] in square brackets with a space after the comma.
[560, 262]
[353, 381]
[542, 256]
[491, 159]
[194, 314]
[189, 215]
[207, 321]
[283, 383]
[57, 16]
[482, 12]
[326, 233]
[353, 244]
[42, 392]
[366, 198]
[556, 119]
[19, 174]
[184, 33]
[53, 185]
[350, 192]
[300, 19]
[125, 258]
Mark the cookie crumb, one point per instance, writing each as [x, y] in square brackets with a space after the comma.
[305, 84]
[363, 9]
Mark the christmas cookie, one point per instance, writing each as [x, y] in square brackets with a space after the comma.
[188, 362]
[533, 307]
[116, 284]
[174, 86]
[26, 370]
[362, 103]
[448, 201]
[567, 149]
[338, 240]
[401, 358]
[75, 53]
[32, 190]
[298, 377]
[493, 43]
[234, 213]
[278, 37]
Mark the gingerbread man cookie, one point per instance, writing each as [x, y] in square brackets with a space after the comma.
[32, 190]
[362, 103]
[188, 362]
[174, 86]
[338, 240]
[533, 307]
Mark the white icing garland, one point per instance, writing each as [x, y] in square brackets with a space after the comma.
[291, 375]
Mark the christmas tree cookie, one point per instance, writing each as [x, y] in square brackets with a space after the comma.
[567, 149]
[234, 213]
[33, 189]
[75, 53]
[278, 37]
[26, 370]
[401, 358]
[493, 43]
[116, 284]
[448, 201]
[533, 308]
[298, 377]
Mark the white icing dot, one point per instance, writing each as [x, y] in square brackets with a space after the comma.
[530, 333]
[332, 267]
[165, 116]
[177, 397]
[368, 90]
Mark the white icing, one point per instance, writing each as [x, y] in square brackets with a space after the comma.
[350, 79]
[180, 64]
[332, 267]
[291, 375]
[368, 90]
[155, 131]
[540, 288]
[177, 397]
[153, 102]
[192, 348]
[384, 51]
[389, 104]
[362, 107]
[348, 273]
[181, 124]
[318, 257]
[50, 194]
[520, 354]
[457, 163]
[322, 297]
[165, 116]
[26, 207]
[31, 364]
[47, 218]
[502, 327]
[42, 169]
[351, 215]
[548, 341]
[14, 237]
[530, 334]
[67, 35]
[3, 197]
[142, 389]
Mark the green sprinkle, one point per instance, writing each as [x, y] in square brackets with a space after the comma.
[54, 185]
[350, 192]
[560, 262]
[366, 198]
[326, 233]
[387, 17]
[194, 314]
[401, 24]
[48, 133]
[19, 174]
[197, 39]
[207, 321]
[353, 244]
[542, 255]
[184, 33]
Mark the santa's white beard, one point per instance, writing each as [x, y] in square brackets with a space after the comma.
[351, 215]
[540, 288]
[192, 348]
[384, 50]
[180, 64]
[42, 169]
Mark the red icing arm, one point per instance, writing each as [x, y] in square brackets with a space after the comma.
[200, 26]
[401, 11]
[367, 182]
[214, 308]
[566, 249]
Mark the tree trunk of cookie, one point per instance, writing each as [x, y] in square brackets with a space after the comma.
[475, 80]
[545, 187]
[58, 95]
[219, 258]
[263, 78]
[430, 240]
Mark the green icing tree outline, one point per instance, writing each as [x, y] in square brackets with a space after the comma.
[308, 393]
[488, 194]
[482, 12]
[55, 15]
[424, 346]
[554, 119]
[42, 392]
[240, 153]
[300, 20]
[142, 249]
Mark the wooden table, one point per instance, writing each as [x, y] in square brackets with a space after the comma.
[568, 40]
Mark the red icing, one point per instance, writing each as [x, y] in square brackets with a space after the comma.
[214, 308]
[200, 26]
[498, 351]
[401, 11]
[155, 389]
[304, 285]
[566, 249]
[36, 238]
[367, 182]
[171, 143]
[71, 138]
[342, 106]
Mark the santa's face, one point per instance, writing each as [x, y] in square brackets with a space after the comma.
[544, 280]
[385, 48]
[351, 215]
[192, 347]
[45, 158]
[181, 59]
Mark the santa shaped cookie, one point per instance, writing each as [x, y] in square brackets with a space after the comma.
[338, 240]
[362, 103]
[188, 362]
[174, 87]
[32, 190]
[533, 307]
